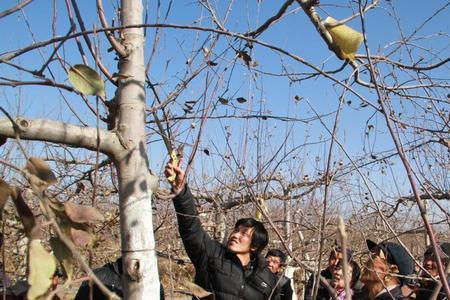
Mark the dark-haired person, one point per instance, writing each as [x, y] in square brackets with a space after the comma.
[235, 270]
[276, 260]
[336, 255]
[386, 271]
[431, 276]
[110, 275]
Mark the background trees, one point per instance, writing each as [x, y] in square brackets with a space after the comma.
[263, 109]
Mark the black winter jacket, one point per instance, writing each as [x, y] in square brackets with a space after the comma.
[218, 270]
[322, 291]
[285, 288]
[426, 290]
[394, 294]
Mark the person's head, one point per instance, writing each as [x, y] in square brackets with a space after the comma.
[430, 261]
[249, 236]
[386, 261]
[275, 260]
[353, 271]
[336, 256]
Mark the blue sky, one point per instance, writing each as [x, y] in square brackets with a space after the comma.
[272, 94]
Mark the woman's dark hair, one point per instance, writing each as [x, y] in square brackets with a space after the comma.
[356, 272]
[260, 237]
[277, 253]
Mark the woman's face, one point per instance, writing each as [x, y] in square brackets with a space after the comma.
[338, 280]
[430, 265]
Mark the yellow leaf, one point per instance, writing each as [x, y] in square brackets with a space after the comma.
[42, 267]
[345, 38]
[261, 207]
[86, 80]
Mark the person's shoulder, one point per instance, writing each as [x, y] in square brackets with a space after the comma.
[326, 273]
[284, 280]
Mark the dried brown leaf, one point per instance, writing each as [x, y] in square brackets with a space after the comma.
[241, 100]
[245, 57]
[5, 192]
[40, 168]
[82, 213]
[25, 213]
[196, 290]
[80, 237]
[223, 100]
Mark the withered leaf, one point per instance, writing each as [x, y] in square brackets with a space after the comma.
[445, 143]
[40, 168]
[245, 57]
[188, 106]
[64, 256]
[206, 151]
[5, 191]
[3, 140]
[56, 205]
[241, 100]
[24, 211]
[223, 100]
[211, 63]
[80, 237]
[80, 188]
[42, 266]
[196, 290]
[82, 213]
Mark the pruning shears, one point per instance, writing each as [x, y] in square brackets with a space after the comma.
[175, 154]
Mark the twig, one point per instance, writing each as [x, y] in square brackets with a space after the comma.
[409, 172]
[120, 49]
[15, 8]
[343, 237]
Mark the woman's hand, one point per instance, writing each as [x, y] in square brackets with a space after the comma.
[178, 183]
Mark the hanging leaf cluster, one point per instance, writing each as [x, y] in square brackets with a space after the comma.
[73, 220]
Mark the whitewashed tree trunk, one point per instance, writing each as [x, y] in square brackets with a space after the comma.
[141, 280]
[127, 147]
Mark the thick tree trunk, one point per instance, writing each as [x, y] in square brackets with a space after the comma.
[141, 280]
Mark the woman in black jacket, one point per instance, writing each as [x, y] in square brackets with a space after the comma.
[235, 270]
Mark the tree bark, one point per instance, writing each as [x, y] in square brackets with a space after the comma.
[61, 133]
[140, 270]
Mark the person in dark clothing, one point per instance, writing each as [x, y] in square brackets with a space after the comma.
[334, 259]
[276, 260]
[431, 276]
[232, 271]
[110, 275]
[384, 270]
